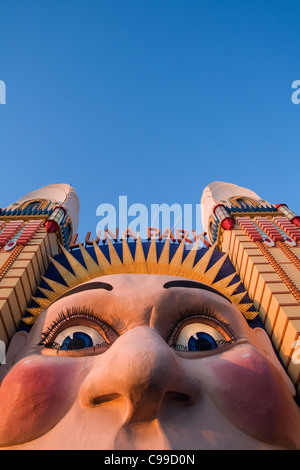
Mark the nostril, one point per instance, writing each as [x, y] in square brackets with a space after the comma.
[179, 397]
[105, 399]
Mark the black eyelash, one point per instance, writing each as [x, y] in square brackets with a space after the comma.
[205, 313]
[65, 316]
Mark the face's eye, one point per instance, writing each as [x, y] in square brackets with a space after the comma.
[79, 337]
[200, 330]
[78, 330]
[198, 337]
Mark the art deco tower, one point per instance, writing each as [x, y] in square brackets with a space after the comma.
[30, 230]
[263, 244]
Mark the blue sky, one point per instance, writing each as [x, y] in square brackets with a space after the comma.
[149, 99]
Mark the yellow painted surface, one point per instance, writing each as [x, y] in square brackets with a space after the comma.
[292, 334]
[3, 334]
[29, 249]
[258, 259]
[6, 318]
[293, 273]
[259, 290]
[16, 285]
[278, 308]
[268, 298]
[13, 303]
[16, 272]
[26, 255]
[38, 271]
[40, 260]
[22, 264]
[21, 280]
[52, 243]
[242, 237]
[286, 299]
[265, 268]
[226, 242]
[295, 250]
[3, 258]
[31, 277]
[44, 253]
[28, 291]
[285, 314]
[279, 255]
[272, 277]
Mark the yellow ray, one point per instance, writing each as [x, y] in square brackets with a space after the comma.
[163, 262]
[203, 262]
[91, 265]
[116, 264]
[67, 276]
[140, 266]
[152, 257]
[76, 266]
[103, 262]
[127, 256]
[188, 262]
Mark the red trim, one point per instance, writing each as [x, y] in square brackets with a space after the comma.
[296, 221]
[51, 226]
[228, 223]
[59, 207]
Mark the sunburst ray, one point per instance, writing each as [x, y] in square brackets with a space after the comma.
[206, 270]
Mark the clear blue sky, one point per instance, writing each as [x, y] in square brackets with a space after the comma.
[149, 99]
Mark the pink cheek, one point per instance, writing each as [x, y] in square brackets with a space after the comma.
[251, 393]
[34, 396]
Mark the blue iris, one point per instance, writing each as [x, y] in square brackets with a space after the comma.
[202, 342]
[80, 340]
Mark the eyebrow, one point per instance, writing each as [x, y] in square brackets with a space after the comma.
[194, 285]
[85, 287]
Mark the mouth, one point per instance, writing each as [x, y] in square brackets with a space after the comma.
[141, 436]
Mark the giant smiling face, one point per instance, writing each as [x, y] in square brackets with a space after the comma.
[145, 362]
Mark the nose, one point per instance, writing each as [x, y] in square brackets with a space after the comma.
[144, 370]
